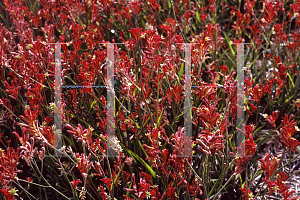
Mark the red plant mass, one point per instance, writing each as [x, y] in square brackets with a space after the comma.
[152, 141]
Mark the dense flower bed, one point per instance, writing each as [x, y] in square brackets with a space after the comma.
[149, 66]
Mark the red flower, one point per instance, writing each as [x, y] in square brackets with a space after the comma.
[203, 17]
[272, 118]
[136, 7]
[107, 182]
[169, 29]
[252, 108]
[208, 115]
[246, 193]
[177, 91]
[201, 49]
[250, 148]
[270, 11]
[296, 7]
[279, 33]
[169, 96]
[102, 192]
[83, 164]
[126, 13]
[79, 133]
[206, 92]
[249, 6]
[29, 117]
[171, 191]
[9, 162]
[297, 103]
[7, 194]
[288, 129]
[288, 123]
[272, 186]
[281, 69]
[268, 86]
[182, 146]
[257, 93]
[211, 144]
[187, 15]
[147, 90]
[48, 133]
[23, 139]
[136, 33]
[75, 183]
[280, 187]
[224, 69]
[154, 5]
[269, 167]
[290, 142]
[280, 84]
[248, 84]
[12, 90]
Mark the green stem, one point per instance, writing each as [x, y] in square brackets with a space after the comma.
[259, 190]
[220, 178]
[224, 186]
[48, 182]
[287, 162]
[112, 178]
[19, 185]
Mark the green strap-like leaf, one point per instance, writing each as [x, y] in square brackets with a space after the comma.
[136, 157]
[115, 179]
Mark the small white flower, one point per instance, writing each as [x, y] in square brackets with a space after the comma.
[13, 191]
[148, 194]
[52, 105]
[63, 148]
[118, 147]
[273, 31]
